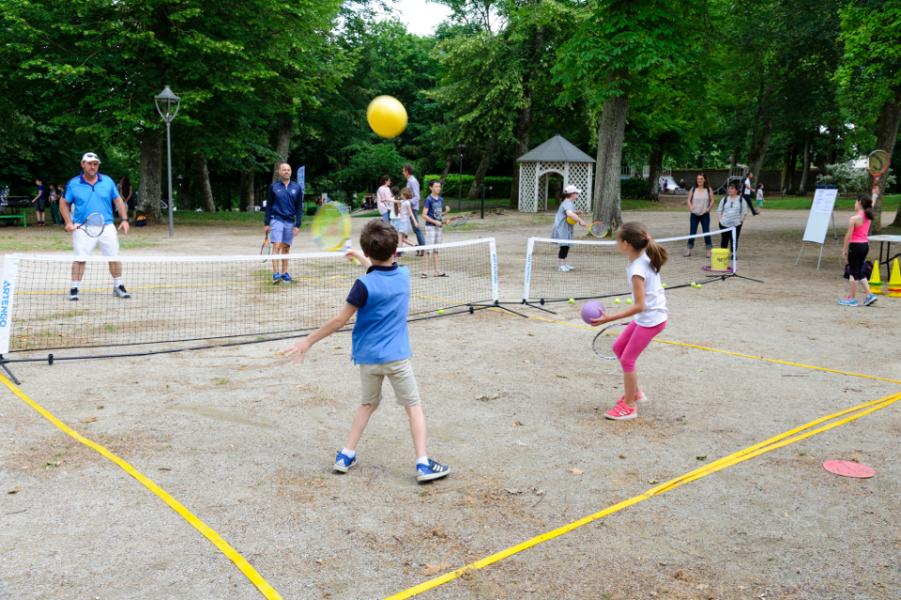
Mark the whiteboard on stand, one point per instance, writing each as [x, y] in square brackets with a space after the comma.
[820, 214]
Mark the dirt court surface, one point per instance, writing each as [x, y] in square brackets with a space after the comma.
[515, 406]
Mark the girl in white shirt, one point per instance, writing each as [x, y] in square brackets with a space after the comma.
[648, 305]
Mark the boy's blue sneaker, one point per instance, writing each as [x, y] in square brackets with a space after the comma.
[849, 302]
[343, 462]
[431, 471]
[870, 299]
[287, 278]
[276, 278]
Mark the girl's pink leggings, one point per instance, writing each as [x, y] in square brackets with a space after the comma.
[632, 341]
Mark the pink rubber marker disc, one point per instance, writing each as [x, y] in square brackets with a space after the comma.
[848, 468]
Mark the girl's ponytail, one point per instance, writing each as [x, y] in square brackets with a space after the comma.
[637, 236]
[866, 203]
[656, 253]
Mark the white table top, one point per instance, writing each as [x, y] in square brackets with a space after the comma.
[894, 239]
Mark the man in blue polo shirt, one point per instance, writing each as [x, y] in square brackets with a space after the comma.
[284, 212]
[90, 193]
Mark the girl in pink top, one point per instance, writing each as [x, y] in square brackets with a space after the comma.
[855, 251]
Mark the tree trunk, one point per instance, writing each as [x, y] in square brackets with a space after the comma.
[886, 136]
[282, 141]
[522, 146]
[655, 161]
[792, 165]
[784, 182]
[759, 148]
[524, 126]
[487, 155]
[805, 165]
[448, 163]
[206, 190]
[247, 193]
[611, 134]
[151, 175]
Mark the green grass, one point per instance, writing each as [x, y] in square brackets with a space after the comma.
[891, 204]
[802, 203]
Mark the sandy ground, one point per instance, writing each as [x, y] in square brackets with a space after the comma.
[515, 406]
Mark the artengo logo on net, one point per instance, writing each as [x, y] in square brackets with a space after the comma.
[4, 303]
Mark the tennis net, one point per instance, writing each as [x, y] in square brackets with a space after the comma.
[178, 299]
[599, 270]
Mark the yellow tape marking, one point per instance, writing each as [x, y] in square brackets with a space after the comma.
[267, 590]
[783, 439]
[774, 361]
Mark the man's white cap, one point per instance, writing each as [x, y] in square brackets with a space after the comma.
[571, 189]
[90, 157]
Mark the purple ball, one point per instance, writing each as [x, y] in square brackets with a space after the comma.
[592, 310]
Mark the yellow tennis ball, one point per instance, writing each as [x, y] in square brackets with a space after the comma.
[617, 301]
[572, 300]
[693, 284]
[440, 311]
[387, 116]
[665, 285]
[628, 300]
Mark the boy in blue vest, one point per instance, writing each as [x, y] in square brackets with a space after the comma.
[380, 344]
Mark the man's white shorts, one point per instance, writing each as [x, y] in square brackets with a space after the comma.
[83, 244]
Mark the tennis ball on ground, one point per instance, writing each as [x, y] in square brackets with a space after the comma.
[617, 301]
[628, 300]
[440, 311]
[572, 300]
[387, 116]
[693, 284]
[665, 285]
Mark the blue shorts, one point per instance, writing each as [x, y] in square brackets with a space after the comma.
[281, 232]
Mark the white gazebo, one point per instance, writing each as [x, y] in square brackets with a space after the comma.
[555, 156]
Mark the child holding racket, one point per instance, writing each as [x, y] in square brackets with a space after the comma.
[563, 224]
[855, 249]
[380, 341]
[646, 258]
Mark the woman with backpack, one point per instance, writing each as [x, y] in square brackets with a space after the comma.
[700, 203]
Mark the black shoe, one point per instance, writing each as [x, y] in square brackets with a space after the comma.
[73, 294]
[120, 292]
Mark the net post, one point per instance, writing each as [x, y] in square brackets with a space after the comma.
[7, 294]
[495, 293]
[734, 250]
[527, 275]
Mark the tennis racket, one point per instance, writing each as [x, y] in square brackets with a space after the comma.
[93, 225]
[602, 344]
[265, 247]
[878, 163]
[332, 227]
[597, 229]
[457, 221]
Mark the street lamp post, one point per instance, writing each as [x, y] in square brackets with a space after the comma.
[167, 105]
[460, 149]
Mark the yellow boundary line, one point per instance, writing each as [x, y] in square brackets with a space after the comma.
[261, 584]
[774, 361]
[783, 439]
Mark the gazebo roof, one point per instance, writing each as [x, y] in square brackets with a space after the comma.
[556, 149]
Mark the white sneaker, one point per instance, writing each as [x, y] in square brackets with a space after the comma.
[569, 267]
[563, 269]
[120, 292]
[73, 294]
